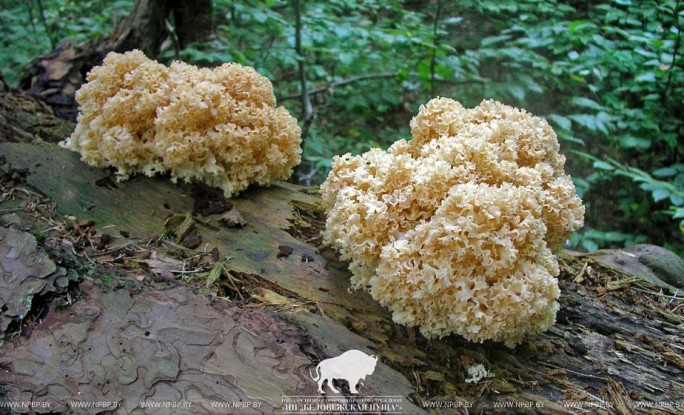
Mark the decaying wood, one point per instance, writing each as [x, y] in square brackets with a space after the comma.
[56, 76]
[24, 118]
[247, 312]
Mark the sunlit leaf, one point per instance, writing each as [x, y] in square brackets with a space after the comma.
[560, 121]
[586, 103]
[665, 172]
[660, 194]
[646, 77]
[602, 165]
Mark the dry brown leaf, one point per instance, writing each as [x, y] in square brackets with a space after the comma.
[163, 265]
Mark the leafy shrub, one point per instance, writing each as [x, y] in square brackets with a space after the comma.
[609, 76]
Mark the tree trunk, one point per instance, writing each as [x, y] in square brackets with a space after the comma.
[166, 297]
[193, 20]
[144, 28]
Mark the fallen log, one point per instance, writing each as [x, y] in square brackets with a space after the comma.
[181, 297]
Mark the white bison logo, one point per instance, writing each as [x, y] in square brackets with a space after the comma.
[352, 366]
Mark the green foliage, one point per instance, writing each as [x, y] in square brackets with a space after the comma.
[592, 239]
[321, 147]
[31, 28]
[607, 75]
[40, 237]
[105, 279]
[20, 43]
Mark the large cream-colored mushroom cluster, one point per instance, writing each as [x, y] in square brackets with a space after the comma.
[455, 229]
[218, 126]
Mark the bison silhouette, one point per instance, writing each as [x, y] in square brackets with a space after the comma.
[352, 366]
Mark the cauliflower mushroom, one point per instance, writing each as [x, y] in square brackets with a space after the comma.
[455, 229]
[217, 126]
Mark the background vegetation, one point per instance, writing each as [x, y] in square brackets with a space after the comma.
[608, 75]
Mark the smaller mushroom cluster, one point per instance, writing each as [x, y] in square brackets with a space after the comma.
[219, 126]
[454, 229]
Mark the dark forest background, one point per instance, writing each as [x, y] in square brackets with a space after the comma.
[608, 75]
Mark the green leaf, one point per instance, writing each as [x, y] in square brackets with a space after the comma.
[560, 121]
[630, 141]
[572, 139]
[660, 194]
[517, 91]
[602, 165]
[346, 58]
[585, 120]
[580, 25]
[424, 70]
[530, 84]
[452, 21]
[577, 78]
[615, 236]
[645, 53]
[670, 139]
[589, 245]
[678, 214]
[492, 40]
[602, 122]
[646, 77]
[665, 172]
[586, 103]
